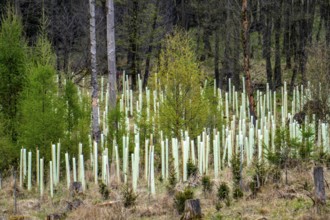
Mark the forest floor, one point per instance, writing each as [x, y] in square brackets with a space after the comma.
[273, 201]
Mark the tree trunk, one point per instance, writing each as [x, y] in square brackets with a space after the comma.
[319, 186]
[286, 37]
[266, 18]
[236, 54]
[226, 63]
[245, 43]
[132, 57]
[15, 190]
[192, 209]
[94, 84]
[216, 59]
[111, 54]
[277, 70]
[150, 47]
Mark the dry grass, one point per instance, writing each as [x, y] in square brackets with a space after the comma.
[274, 201]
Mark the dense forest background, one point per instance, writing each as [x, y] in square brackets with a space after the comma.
[284, 36]
[285, 41]
[237, 84]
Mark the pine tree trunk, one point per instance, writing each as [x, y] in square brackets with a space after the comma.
[133, 56]
[266, 18]
[150, 47]
[227, 61]
[249, 90]
[216, 60]
[111, 54]
[277, 70]
[94, 84]
[286, 37]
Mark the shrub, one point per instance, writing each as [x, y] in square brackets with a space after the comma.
[223, 192]
[191, 169]
[172, 181]
[104, 191]
[237, 193]
[259, 176]
[236, 169]
[181, 197]
[129, 196]
[207, 184]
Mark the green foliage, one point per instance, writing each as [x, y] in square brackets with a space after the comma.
[191, 169]
[129, 196]
[287, 152]
[307, 146]
[207, 184]
[179, 77]
[116, 132]
[223, 192]
[279, 155]
[259, 176]
[104, 191]
[13, 63]
[215, 117]
[42, 111]
[145, 126]
[8, 153]
[181, 197]
[237, 193]
[235, 168]
[76, 118]
[172, 181]
[73, 112]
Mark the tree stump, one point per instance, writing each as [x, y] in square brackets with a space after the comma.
[76, 188]
[319, 186]
[73, 205]
[192, 209]
[55, 216]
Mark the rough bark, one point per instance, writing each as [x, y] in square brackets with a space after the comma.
[245, 43]
[94, 84]
[320, 197]
[111, 54]
[76, 188]
[192, 209]
[55, 216]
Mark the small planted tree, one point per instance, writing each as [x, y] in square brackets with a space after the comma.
[223, 195]
[181, 197]
[41, 108]
[236, 170]
[7, 152]
[13, 63]
[180, 78]
[129, 196]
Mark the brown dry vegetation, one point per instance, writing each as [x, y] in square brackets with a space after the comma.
[274, 201]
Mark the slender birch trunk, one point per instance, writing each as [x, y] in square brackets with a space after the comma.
[94, 84]
[111, 53]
